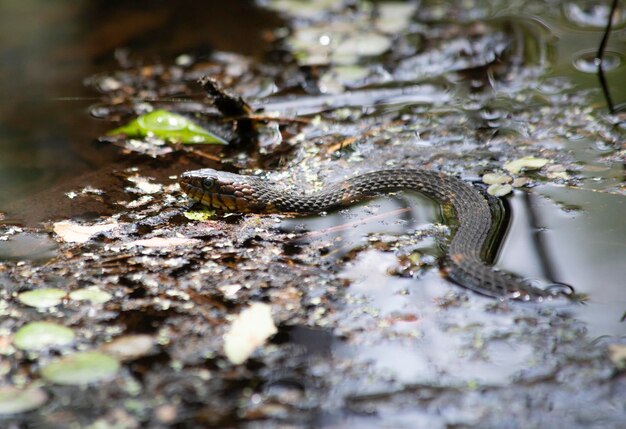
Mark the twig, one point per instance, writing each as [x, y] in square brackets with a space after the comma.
[600, 58]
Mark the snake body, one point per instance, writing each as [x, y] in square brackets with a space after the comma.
[465, 265]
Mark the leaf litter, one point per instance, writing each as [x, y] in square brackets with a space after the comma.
[168, 323]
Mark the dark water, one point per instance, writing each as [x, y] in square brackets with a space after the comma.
[48, 49]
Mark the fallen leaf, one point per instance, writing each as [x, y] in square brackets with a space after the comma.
[144, 186]
[617, 354]
[42, 298]
[167, 126]
[496, 178]
[129, 347]
[202, 214]
[91, 294]
[498, 190]
[528, 163]
[14, 400]
[42, 335]
[252, 327]
[71, 232]
[81, 368]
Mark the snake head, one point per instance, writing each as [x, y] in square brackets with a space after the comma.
[224, 191]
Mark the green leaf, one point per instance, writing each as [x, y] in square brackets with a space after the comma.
[41, 335]
[14, 400]
[168, 126]
[499, 190]
[202, 214]
[41, 298]
[81, 368]
[528, 163]
[92, 294]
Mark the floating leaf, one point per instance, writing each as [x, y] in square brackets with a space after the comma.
[360, 44]
[496, 178]
[71, 232]
[498, 190]
[129, 347]
[557, 171]
[41, 335]
[41, 298]
[617, 354]
[81, 368]
[394, 17]
[167, 126]
[91, 294]
[248, 331]
[14, 400]
[521, 181]
[528, 163]
[334, 80]
[336, 42]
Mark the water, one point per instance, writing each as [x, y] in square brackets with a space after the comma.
[547, 240]
[402, 342]
[48, 51]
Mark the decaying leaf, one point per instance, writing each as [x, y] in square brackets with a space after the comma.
[14, 400]
[129, 347]
[252, 327]
[71, 232]
[498, 190]
[496, 178]
[528, 163]
[617, 354]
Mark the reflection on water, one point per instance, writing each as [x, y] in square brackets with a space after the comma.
[349, 228]
[548, 241]
[49, 49]
[587, 248]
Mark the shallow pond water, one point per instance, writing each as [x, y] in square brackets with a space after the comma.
[369, 333]
[552, 238]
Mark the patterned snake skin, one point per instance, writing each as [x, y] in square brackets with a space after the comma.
[465, 266]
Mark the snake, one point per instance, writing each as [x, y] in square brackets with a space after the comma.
[465, 262]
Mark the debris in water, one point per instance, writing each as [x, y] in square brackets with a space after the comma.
[617, 354]
[498, 190]
[42, 335]
[15, 400]
[527, 163]
[42, 298]
[129, 347]
[71, 232]
[248, 331]
[91, 294]
[81, 368]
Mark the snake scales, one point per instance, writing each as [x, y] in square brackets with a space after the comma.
[465, 263]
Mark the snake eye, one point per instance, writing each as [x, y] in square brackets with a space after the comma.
[208, 182]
